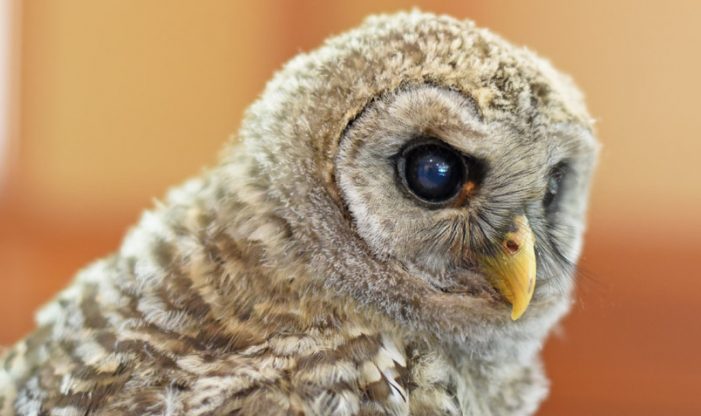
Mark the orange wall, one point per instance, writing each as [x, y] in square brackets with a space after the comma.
[119, 99]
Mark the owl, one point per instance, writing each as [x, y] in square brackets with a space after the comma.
[393, 231]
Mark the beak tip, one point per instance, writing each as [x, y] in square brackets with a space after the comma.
[516, 313]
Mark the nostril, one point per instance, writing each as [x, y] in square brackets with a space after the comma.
[511, 246]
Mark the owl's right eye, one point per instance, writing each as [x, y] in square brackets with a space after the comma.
[432, 171]
[554, 183]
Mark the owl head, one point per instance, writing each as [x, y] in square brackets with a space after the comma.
[430, 171]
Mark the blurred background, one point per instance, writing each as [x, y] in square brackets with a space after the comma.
[104, 105]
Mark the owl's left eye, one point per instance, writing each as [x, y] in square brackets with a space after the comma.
[432, 171]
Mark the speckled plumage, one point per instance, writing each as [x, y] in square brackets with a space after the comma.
[296, 278]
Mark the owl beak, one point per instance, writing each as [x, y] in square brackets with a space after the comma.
[512, 271]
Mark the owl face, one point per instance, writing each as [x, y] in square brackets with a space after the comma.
[436, 188]
[431, 171]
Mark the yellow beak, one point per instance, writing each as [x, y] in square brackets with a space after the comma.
[512, 271]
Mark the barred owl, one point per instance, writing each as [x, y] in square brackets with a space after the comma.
[394, 230]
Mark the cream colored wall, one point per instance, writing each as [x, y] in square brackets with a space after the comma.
[123, 98]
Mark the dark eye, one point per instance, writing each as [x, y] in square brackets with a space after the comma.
[553, 186]
[432, 171]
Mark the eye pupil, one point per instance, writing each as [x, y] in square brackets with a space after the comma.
[433, 172]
